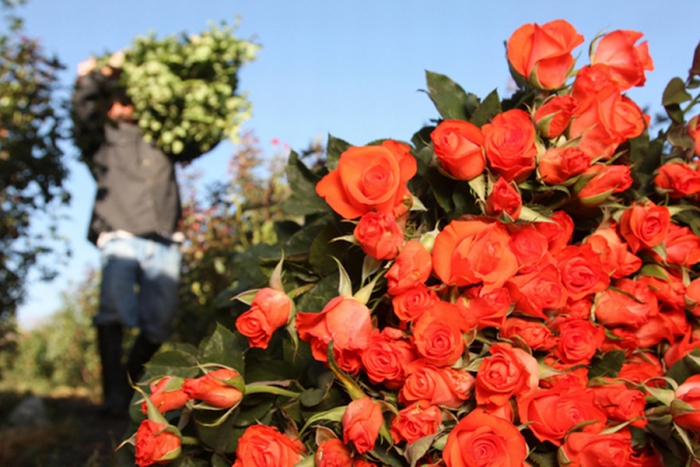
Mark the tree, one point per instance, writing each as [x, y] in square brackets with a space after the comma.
[32, 169]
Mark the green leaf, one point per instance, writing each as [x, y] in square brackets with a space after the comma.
[223, 348]
[223, 438]
[173, 363]
[318, 297]
[449, 98]
[218, 461]
[324, 249]
[685, 367]
[334, 148]
[417, 449]
[675, 93]
[187, 461]
[609, 365]
[489, 108]
[302, 182]
[543, 459]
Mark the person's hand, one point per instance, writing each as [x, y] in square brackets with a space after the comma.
[86, 66]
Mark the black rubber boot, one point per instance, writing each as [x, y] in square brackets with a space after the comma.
[114, 384]
[140, 354]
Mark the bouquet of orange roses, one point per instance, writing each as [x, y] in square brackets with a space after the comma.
[518, 285]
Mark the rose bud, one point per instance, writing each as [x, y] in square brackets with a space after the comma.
[553, 117]
[269, 311]
[605, 180]
[510, 145]
[361, 423]
[333, 453]
[167, 395]
[557, 165]
[685, 408]
[677, 179]
[214, 388]
[627, 62]
[156, 443]
[459, 146]
[262, 443]
[504, 199]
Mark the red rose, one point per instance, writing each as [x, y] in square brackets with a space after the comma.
[416, 421]
[269, 311]
[441, 386]
[599, 450]
[333, 453]
[627, 62]
[504, 199]
[538, 291]
[645, 226]
[459, 146]
[530, 247]
[379, 235]
[412, 267]
[579, 340]
[346, 322]
[629, 303]
[214, 388]
[668, 324]
[542, 54]
[482, 309]
[677, 179]
[682, 246]
[683, 347]
[558, 232]
[369, 178]
[472, 252]
[508, 372]
[640, 367]
[437, 334]
[480, 439]
[581, 271]
[535, 334]
[553, 117]
[605, 180]
[265, 446]
[510, 145]
[409, 305]
[692, 297]
[155, 444]
[621, 404]
[614, 254]
[166, 395]
[686, 407]
[557, 165]
[361, 423]
[387, 357]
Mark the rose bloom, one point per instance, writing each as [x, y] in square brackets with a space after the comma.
[621, 404]
[677, 179]
[269, 311]
[605, 180]
[681, 348]
[386, 358]
[693, 129]
[579, 340]
[346, 322]
[333, 453]
[542, 54]
[474, 251]
[213, 389]
[155, 445]
[686, 412]
[581, 271]
[508, 372]
[629, 303]
[166, 395]
[440, 386]
[361, 423]
[480, 439]
[692, 297]
[510, 145]
[483, 309]
[557, 165]
[416, 421]
[369, 178]
[640, 367]
[627, 62]
[553, 117]
[504, 199]
[534, 334]
[412, 303]
[265, 446]
[412, 267]
[668, 324]
[614, 254]
[682, 246]
[538, 291]
[645, 226]
[551, 413]
[437, 334]
[583, 449]
[669, 291]
[558, 232]
[530, 247]
[379, 235]
[459, 146]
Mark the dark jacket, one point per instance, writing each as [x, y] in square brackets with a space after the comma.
[136, 187]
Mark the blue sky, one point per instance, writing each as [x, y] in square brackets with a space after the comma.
[351, 69]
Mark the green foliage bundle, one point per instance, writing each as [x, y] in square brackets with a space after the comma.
[184, 88]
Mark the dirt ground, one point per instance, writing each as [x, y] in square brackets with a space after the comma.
[76, 436]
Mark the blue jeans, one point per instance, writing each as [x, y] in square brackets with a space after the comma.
[139, 285]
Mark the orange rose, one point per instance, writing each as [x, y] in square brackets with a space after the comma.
[538, 291]
[542, 54]
[508, 372]
[510, 145]
[627, 62]
[379, 235]
[605, 180]
[333, 453]
[480, 439]
[640, 367]
[682, 246]
[504, 199]
[668, 324]
[459, 146]
[621, 404]
[387, 357]
[155, 444]
[416, 421]
[265, 446]
[437, 334]
[629, 303]
[536, 335]
[614, 254]
[552, 118]
[598, 450]
[581, 271]
[579, 339]
[369, 178]
[645, 226]
[361, 423]
[441, 386]
[166, 395]
[214, 388]
[557, 165]
[558, 233]
[692, 297]
[551, 413]
[530, 247]
[482, 309]
[269, 311]
[346, 322]
[472, 252]
[412, 267]
[409, 305]
[677, 179]
[686, 406]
